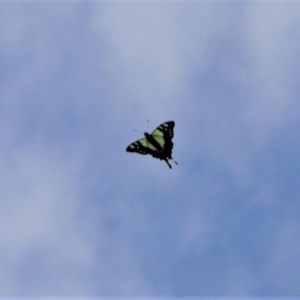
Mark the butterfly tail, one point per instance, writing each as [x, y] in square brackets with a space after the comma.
[168, 163]
[174, 160]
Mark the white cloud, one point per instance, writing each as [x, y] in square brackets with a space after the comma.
[152, 48]
[40, 212]
[272, 43]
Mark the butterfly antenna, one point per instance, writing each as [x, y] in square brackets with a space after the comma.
[137, 131]
[148, 125]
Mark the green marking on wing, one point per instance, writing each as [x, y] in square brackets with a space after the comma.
[146, 144]
[160, 139]
[158, 133]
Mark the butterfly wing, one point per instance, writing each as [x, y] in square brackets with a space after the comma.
[141, 146]
[163, 134]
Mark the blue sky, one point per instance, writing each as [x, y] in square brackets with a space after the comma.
[81, 217]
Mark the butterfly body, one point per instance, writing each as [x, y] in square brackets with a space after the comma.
[158, 144]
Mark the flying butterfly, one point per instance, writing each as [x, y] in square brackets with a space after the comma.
[158, 144]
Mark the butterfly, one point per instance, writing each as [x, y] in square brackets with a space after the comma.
[158, 144]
